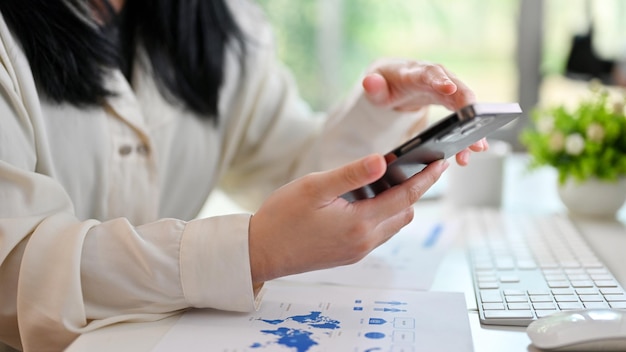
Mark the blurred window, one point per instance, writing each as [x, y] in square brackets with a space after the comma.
[329, 43]
[505, 50]
[565, 19]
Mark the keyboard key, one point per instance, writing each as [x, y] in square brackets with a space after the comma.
[547, 298]
[611, 291]
[615, 298]
[490, 296]
[558, 284]
[518, 306]
[516, 299]
[526, 264]
[486, 276]
[514, 292]
[487, 285]
[578, 271]
[493, 306]
[508, 314]
[606, 283]
[561, 291]
[552, 271]
[509, 278]
[570, 305]
[598, 271]
[544, 313]
[505, 264]
[570, 264]
[592, 264]
[538, 292]
[586, 291]
[593, 305]
[566, 298]
[484, 266]
[582, 283]
[544, 305]
[591, 298]
[549, 265]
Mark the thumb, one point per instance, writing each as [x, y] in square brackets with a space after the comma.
[352, 176]
[376, 88]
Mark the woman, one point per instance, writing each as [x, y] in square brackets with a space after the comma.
[117, 121]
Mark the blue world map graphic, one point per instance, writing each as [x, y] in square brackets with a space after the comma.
[301, 340]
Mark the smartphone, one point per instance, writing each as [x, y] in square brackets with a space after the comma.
[443, 139]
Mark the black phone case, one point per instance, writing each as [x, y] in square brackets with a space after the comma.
[442, 140]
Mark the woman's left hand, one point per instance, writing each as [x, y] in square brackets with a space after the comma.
[409, 85]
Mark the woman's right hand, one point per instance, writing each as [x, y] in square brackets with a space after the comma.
[306, 225]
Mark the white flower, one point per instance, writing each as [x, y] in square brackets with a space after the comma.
[557, 140]
[595, 132]
[618, 107]
[545, 124]
[574, 144]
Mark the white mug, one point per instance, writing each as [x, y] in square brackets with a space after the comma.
[480, 183]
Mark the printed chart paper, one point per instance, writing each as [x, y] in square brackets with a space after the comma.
[310, 318]
[409, 260]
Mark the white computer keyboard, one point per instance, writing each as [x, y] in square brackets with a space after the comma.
[525, 267]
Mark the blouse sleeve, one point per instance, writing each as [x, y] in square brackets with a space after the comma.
[61, 276]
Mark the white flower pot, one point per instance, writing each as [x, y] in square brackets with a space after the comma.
[593, 198]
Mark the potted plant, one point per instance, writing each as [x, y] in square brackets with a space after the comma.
[586, 144]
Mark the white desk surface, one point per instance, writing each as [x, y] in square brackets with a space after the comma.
[524, 191]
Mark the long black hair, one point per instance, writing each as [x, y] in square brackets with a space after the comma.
[70, 54]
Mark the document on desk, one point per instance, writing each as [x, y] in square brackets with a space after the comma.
[409, 260]
[310, 318]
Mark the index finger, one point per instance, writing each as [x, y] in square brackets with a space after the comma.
[439, 79]
[398, 198]
[463, 95]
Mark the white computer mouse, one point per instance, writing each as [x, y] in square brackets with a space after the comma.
[580, 330]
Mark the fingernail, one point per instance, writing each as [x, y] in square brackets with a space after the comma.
[444, 165]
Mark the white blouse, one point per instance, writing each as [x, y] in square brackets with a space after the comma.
[98, 205]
